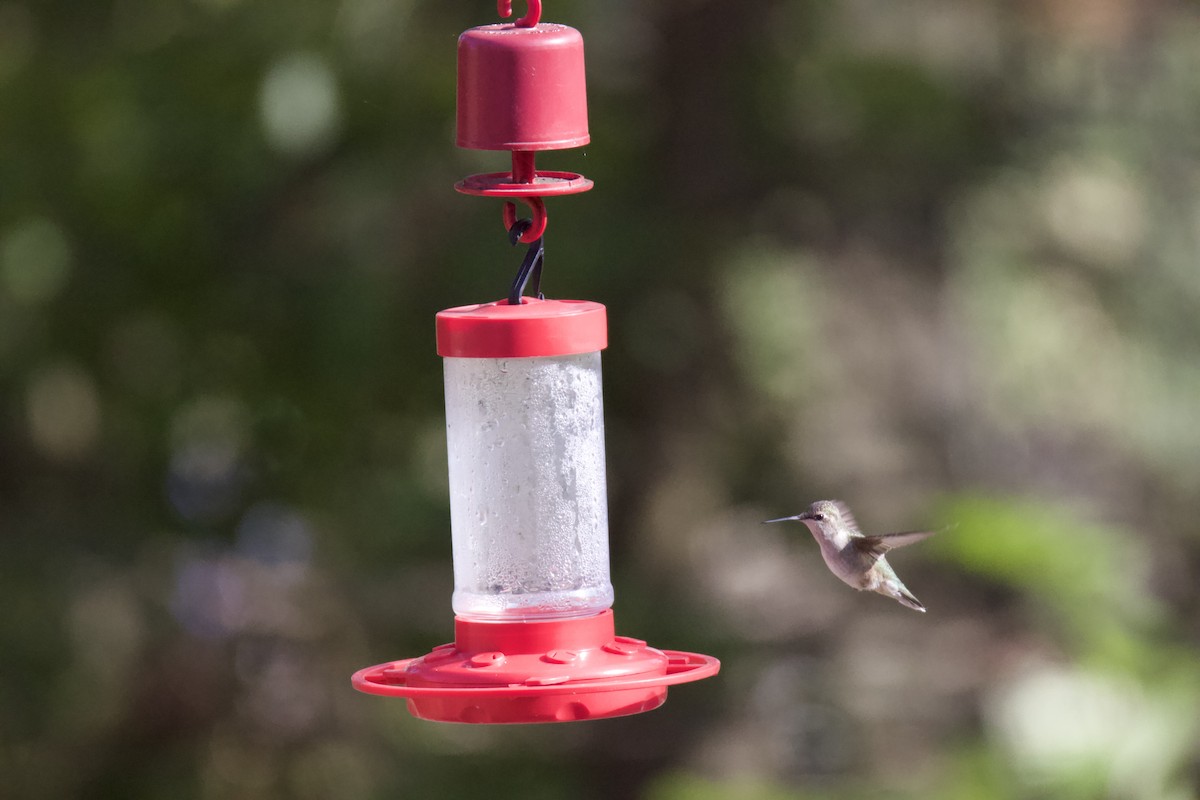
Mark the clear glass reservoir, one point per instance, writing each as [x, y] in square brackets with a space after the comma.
[528, 497]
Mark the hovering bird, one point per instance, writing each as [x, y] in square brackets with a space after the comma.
[856, 558]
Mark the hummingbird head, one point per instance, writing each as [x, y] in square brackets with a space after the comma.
[830, 511]
[826, 514]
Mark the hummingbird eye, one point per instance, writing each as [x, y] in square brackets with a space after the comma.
[819, 517]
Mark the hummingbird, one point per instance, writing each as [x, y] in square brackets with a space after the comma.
[858, 559]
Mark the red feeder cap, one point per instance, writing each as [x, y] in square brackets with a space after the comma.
[532, 329]
[521, 88]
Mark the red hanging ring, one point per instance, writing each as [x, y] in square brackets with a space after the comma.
[504, 7]
[537, 229]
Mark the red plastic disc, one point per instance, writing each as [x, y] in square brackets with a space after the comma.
[546, 183]
[532, 329]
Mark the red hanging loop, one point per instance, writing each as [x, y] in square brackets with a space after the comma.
[537, 229]
[504, 8]
[524, 171]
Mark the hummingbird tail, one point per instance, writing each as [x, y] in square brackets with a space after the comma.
[905, 597]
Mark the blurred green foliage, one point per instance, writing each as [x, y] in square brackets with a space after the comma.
[937, 258]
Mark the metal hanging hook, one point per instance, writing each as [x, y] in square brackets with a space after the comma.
[504, 7]
[531, 267]
[537, 225]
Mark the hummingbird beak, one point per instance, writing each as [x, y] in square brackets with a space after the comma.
[787, 519]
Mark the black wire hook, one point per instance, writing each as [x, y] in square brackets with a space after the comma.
[531, 266]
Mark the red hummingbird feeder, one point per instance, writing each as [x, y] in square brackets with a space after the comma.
[534, 633]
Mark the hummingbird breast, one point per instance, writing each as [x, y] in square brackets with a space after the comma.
[848, 564]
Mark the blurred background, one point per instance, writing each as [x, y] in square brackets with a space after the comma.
[937, 258]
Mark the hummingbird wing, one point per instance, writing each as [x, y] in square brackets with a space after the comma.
[879, 544]
[848, 518]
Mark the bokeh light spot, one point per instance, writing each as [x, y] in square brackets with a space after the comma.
[63, 412]
[206, 471]
[35, 261]
[273, 534]
[1097, 211]
[299, 104]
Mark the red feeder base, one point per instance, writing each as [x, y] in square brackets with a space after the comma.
[537, 671]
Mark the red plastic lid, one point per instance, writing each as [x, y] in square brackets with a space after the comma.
[533, 328]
